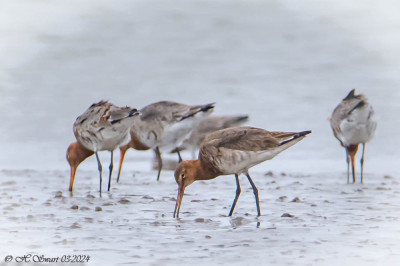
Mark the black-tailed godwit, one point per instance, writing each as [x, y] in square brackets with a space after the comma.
[233, 151]
[163, 126]
[103, 126]
[352, 124]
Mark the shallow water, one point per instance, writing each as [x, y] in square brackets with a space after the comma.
[286, 64]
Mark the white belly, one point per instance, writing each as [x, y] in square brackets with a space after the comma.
[359, 127]
[238, 162]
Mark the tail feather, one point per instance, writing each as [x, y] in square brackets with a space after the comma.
[236, 120]
[207, 107]
[197, 109]
[122, 114]
[295, 136]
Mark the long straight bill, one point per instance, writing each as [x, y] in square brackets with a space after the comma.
[181, 191]
[72, 178]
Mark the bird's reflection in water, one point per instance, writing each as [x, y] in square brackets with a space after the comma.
[241, 221]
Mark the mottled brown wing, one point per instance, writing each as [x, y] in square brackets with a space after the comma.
[242, 138]
[172, 111]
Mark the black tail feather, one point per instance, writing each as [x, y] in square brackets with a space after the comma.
[351, 95]
[296, 136]
[207, 107]
[203, 108]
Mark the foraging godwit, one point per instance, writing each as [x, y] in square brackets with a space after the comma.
[233, 151]
[352, 124]
[133, 143]
[208, 125]
[163, 126]
[103, 126]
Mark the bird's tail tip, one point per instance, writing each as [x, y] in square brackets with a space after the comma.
[296, 136]
[304, 133]
[133, 112]
[208, 107]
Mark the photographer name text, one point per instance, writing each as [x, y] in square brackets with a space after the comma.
[47, 259]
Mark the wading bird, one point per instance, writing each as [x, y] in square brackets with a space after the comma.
[102, 127]
[233, 151]
[208, 125]
[163, 126]
[352, 124]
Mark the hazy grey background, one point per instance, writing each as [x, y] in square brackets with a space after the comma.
[285, 63]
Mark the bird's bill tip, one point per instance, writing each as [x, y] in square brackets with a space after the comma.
[181, 191]
[72, 178]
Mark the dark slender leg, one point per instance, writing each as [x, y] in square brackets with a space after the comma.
[110, 168]
[238, 190]
[100, 170]
[255, 190]
[362, 163]
[179, 155]
[348, 165]
[158, 155]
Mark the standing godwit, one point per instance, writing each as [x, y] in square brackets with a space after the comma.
[208, 125]
[103, 126]
[352, 124]
[163, 126]
[233, 151]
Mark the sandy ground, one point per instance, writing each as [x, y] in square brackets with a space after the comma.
[284, 63]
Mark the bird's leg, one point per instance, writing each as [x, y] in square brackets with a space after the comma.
[255, 190]
[121, 159]
[100, 169]
[352, 149]
[179, 155]
[110, 168]
[348, 165]
[238, 190]
[158, 155]
[362, 163]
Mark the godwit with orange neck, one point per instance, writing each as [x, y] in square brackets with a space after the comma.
[352, 124]
[233, 151]
[163, 126]
[102, 127]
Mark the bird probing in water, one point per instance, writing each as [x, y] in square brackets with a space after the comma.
[103, 126]
[163, 126]
[233, 151]
[352, 124]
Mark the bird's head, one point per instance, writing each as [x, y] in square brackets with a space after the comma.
[185, 175]
[76, 153]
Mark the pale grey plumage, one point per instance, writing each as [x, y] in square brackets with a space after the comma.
[233, 151]
[104, 126]
[353, 123]
[208, 125]
[163, 126]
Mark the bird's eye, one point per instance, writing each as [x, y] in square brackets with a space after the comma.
[182, 176]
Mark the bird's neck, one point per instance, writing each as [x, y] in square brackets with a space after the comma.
[203, 172]
[83, 153]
